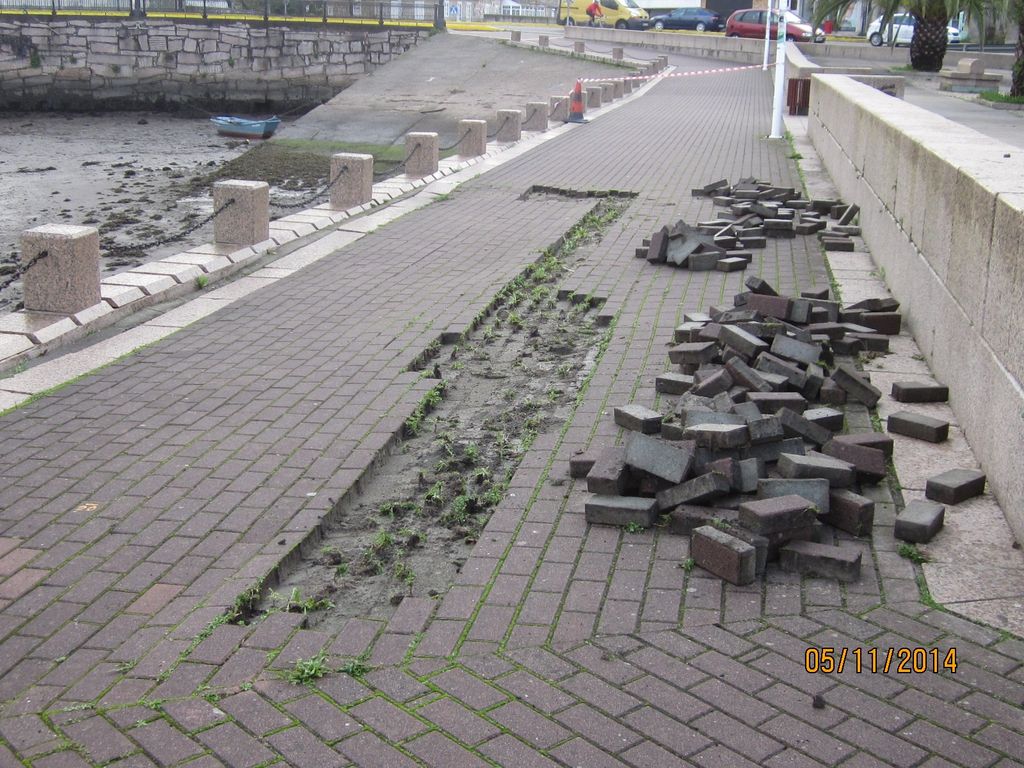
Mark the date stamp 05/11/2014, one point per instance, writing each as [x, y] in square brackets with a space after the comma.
[902, 661]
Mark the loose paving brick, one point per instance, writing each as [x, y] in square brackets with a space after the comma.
[638, 418]
[868, 462]
[702, 488]
[776, 515]
[622, 510]
[919, 521]
[669, 461]
[840, 474]
[955, 485]
[850, 512]
[608, 474]
[815, 490]
[812, 559]
[795, 425]
[918, 426]
[919, 392]
[673, 383]
[856, 386]
[723, 555]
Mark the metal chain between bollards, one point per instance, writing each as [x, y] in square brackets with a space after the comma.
[112, 249]
[453, 146]
[19, 273]
[529, 117]
[498, 130]
[396, 166]
[318, 194]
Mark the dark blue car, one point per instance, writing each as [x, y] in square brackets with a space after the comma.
[699, 19]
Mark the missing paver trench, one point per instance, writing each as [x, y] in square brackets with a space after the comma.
[516, 375]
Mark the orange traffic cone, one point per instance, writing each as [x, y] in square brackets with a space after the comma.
[576, 104]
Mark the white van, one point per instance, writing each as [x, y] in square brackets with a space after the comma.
[901, 28]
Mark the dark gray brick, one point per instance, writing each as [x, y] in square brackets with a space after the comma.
[918, 426]
[839, 474]
[638, 418]
[868, 462]
[608, 474]
[670, 461]
[919, 521]
[850, 512]
[811, 559]
[724, 555]
[955, 485]
[621, 510]
[814, 489]
[856, 386]
[919, 392]
[797, 351]
[774, 515]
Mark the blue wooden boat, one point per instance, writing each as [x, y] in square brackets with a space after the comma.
[243, 128]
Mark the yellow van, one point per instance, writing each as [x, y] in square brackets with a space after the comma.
[621, 14]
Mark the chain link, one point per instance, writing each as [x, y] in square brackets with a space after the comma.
[115, 249]
[19, 273]
[453, 146]
[391, 171]
[319, 193]
[498, 130]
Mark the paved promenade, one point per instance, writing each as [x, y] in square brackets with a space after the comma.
[139, 503]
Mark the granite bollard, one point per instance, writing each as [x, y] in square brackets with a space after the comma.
[536, 116]
[421, 150]
[62, 268]
[559, 109]
[246, 221]
[355, 185]
[510, 126]
[474, 138]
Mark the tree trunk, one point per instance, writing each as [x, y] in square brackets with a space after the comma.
[1017, 81]
[928, 46]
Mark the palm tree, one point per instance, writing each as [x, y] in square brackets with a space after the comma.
[1016, 9]
[931, 17]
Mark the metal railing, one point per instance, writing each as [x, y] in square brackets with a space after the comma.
[359, 11]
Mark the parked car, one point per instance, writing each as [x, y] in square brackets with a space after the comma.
[903, 31]
[621, 14]
[750, 23]
[700, 19]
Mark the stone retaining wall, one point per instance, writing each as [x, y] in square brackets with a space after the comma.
[750, 51]
[78, 63]
[942, 211]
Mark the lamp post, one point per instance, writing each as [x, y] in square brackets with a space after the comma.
[780, 76]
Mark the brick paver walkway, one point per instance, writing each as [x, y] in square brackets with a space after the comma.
[138, 503]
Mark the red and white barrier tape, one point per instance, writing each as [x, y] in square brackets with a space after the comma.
[671, 74]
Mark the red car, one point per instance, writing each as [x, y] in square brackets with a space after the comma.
[750, 23]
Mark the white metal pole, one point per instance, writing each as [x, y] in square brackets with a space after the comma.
[767, 35]
[780, 76]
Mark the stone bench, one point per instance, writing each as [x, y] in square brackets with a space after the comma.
[968, 77]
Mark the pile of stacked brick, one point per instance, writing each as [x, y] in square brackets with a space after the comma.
[751, 462]
[757, 211]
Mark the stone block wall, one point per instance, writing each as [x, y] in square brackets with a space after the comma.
[78, 63]
[942, 210]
